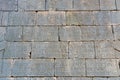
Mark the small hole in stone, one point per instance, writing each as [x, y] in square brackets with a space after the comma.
[36, 11]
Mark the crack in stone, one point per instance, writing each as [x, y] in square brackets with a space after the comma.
[117, 49]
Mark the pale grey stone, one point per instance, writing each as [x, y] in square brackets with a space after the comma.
[104, 49]
[5, 67]
[59, 4]
[117, 32]
[2, 33]
[79, 18]
[6, 78]
[101, 67]
[49, 50]
[36, 67]
[115, 17]
[51, 18]
[102, 17]
[107, 5]
[100, 78]
[69, 67]
[13, 34]
[88, 32]
[73, 78]
[21, 18]
[31, 5]
[4, 21]
[3, 45]
[114, 78]
[81, 50]
[40, 33]
[44, 78]
[70, 33]
[22, 79]
[118, 4]
[17, 50]
[8, 5]
[86, 5]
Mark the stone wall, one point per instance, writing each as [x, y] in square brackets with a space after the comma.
[59, 39]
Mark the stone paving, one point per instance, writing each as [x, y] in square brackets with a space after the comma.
[59, 39]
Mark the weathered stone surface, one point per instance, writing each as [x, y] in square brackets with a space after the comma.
[102, 17]
[101, 67]
[31, 5]
[107, 5]
[115, 17]
[6, 78]
[116, 78]
[17, 50]
[8, 5]
[104, 49]
[70, 33]
[81, 50]
[73, 78]
[40, 67]
[86, 5]
[13, 34]
[116, 32]
[69, 67]
[2, 33]
[40, 33]
[49, 50]
[21, 18]
[118, 4]
[5, 67]
[100, 78]
[79, 18]
[51, 18]
[59, 4]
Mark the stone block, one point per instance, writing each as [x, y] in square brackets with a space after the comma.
[115, 16]
[51, 18]
[2, 33]
[116, 32]
[69, 67]
[49, 50]
[17, 50]
[81, 50]
[101, 67]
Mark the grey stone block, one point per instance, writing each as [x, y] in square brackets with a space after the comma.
[116, 78]
[2, 33]
[79, 18]
[13, 34]
[51, 18]
[22, 79]
[100, 78]
[115, 17]
[70, 33]
[104, 49]
[31, 5]
[69, 67]
[107, 5]
[40, 33]
[6, 78]
[5, 67]
[8, 5]
[118, 4]
[117, 32]
[40, 67]
[4, 21]
[102, 17]
[81, 50]
[59, 4]
[49, 50]
[101, 67]
[21, 18]
[17, 50]
[73, 78]
[45, 78]
[86, 5]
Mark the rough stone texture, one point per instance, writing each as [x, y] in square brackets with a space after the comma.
[79, 18]
[13, 34]
[70, 67]
[70, 33]
[8, 5]
[115, 16]
[59, 4]
[40, 33]
[81, 50]
[17, 50]
[31, 5]
[107, 5]
[101, 67]
[21, 18]
[51, 18]
[34, 67]
[49, 50]
[86, 5]
[102, 17]
[104, 49]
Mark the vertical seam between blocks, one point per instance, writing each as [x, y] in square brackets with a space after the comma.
[113, 33]
[99, 5]
[86, 67]
[54, 67]
[116, 4]
[45, 4]
[59, 34]
[95, 50]
[68, 50]
[72, 4]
